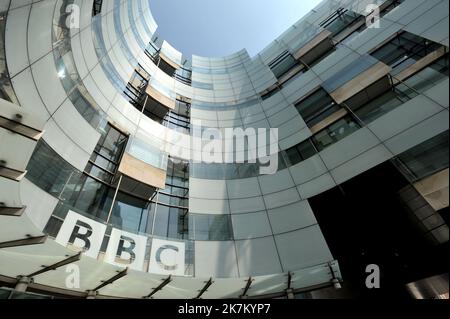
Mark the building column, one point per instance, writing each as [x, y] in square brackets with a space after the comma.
[91, 294]
[290, 293]
[22, 283]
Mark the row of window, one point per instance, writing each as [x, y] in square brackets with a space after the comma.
[165, 216]
[81, 193]
[365, 107]
[286, 68]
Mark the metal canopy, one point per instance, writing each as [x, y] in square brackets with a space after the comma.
[24, 242]
[55, 266]
[160, 287]
[204, 289]
[120, 274]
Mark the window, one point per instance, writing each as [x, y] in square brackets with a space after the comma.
[389, 6]
[210, 227]
[51, 172]
[283, 64]
[335, 132]
[404, 50]
[316, 107]
[378, 99]
[135, 89]
[107, 154]
[429, 76]
[299, 153]
[340, 20]
[166, 67]
[183, 75]
[425, 159]
[172, 217]
[384, 103]
[270, 93]
[97, 7]
[179, 118]
[130, 213]
[152, 52]
[155, 110]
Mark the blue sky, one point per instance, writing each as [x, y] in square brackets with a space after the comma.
[216, 28]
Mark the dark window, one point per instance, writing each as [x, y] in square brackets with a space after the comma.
[429, 76]
[378, 99]
[404, 50]
[270, 93]
[131, 213]
[335, 132]
[316, 107]
[283, 64]
[390, 5]
[97, 7]
[155, 110]
[172, 218]
[135, 89]
[340, 20]
[425, 159]
[166, 67]
[299, 153]
[107, 154]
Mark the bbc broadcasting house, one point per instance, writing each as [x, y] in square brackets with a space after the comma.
[103, 194]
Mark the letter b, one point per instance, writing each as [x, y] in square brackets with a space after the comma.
[77, 234]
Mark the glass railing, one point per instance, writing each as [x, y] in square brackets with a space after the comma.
[147, 153]
[385, 103]
[6, 88]
[335, 132]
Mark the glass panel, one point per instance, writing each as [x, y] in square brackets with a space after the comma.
[384, 103]
[161, 221]
[130, 213]
[340, 20]
[147, 153]
[293, 156]
[99, 173]
[316, 107]
[404, 50]
[210, 227]
[335, 132]
[426, 158]
[299, 152]
[51, 173]
[6, 89]
[430, 76]
[112, 144]
[306, 149]
[349, 72]
[282, 64]
[94, 198]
